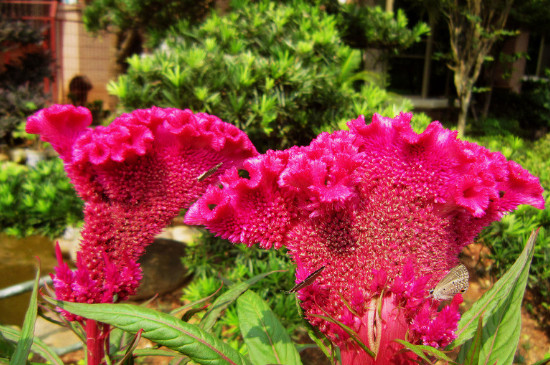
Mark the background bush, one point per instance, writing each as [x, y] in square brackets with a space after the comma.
[213, 262]
[366, 27]
[516, 120]
[37, 200]
[279, 72]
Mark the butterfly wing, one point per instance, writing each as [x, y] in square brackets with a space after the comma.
[456, 273]
[456, 281]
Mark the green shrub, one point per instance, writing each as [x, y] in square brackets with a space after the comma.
[214, 261]
[496, 127]
[371, 27]
[37, 200]
[279, 72]
[16, 104]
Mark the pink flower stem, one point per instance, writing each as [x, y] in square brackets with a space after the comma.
[96, 335]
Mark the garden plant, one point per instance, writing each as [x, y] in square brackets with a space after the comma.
[38, 200]
[383, 210]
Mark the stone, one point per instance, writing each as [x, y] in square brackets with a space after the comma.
[166, 233]
[163, 270]
[185, 234]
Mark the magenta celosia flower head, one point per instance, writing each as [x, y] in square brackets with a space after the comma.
[385, 210]
[134, 175]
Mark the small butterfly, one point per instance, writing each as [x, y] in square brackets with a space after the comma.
[307, 281]
[205, 175]
[456, 281]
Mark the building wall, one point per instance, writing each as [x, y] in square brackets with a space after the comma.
[509, 75]
[82, 54]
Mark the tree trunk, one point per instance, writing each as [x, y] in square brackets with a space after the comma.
[129, 42]
[428, 61]
[474, 26]
[464, 99]
[540, 57]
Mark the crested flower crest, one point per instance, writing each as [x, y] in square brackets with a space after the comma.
[135, 176]
[385, 210]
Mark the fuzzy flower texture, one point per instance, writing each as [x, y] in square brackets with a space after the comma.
[134, 176]
[385, 210]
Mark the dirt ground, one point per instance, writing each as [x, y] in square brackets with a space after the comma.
[534, 341]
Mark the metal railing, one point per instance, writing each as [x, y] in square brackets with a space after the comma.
[23, 287]
[41, 15]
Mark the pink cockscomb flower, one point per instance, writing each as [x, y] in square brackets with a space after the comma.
[135, 176]
[385, 210]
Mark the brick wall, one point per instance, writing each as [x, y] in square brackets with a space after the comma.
[80, 53]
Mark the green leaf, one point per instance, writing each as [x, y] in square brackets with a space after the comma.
[472, 357]
[320, 339]
[304, 346]
[38, 347]
[191, 312]
[227, 298]
[118, 342]
[128, 355]
[179, 360]
[7, 347]
[24, 344]
[422, 351]
[545, 361]
[266, 339]
[501, 311]
[155, 352]
[161, 328]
